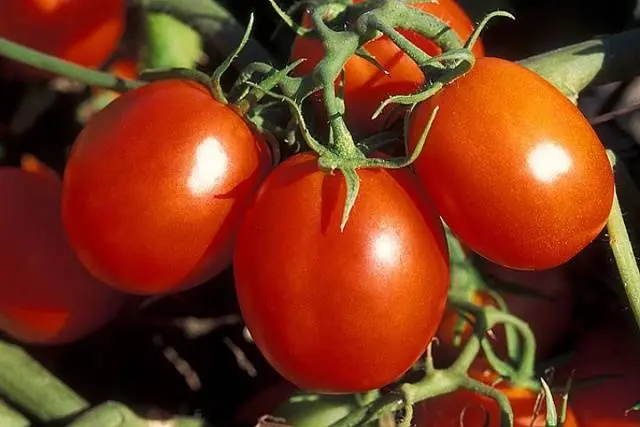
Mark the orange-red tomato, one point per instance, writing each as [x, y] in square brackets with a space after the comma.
[156, 184]
[612, 353]
[548, 329]
[467, 408]
[85, 32]
[514, 168]
[332, 311]
[46, 295]
[365, 85]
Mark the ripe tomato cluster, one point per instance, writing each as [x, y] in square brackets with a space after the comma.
[168, 186]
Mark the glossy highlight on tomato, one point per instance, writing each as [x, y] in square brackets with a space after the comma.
[514, 168]
[332, 311]
[84, 32]
[365, 85]
[46, 295]
[156, 184]
[467, 408]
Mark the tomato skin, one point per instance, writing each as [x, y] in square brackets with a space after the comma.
[365, 85]
[46, 296]
[548, 328]
[155, 185]
[84, 32]
[609, 350]
[514, 168]
[340, 312]
[445, 411]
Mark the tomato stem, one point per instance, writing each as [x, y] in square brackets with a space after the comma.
[216, 77]
[31, 387]
[52, 64]
[9, 417]
[117, 414]
[623, 251]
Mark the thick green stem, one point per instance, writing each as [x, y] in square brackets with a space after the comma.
[28, 385]
[9, 417]
[114, 414]
[52, 64]
[217, 26]
[623, 253]
[598, 61]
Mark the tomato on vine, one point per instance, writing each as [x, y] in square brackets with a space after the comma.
[46, 295]
[366, 86]
[156, 184]
[332, 311]
[514, 168]
[468, 408]
[81, 31]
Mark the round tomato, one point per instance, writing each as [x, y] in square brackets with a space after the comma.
[46, 295]
[548, 329]
[85, 32]
[332, 311]
[156, 184]
[366, 87]
[467, 408]
[515, 169]
[610, 352]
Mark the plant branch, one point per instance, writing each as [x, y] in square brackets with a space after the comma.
[623, 252]
[9, 417]
[28, 385]
[52, 64]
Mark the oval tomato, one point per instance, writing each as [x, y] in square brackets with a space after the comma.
[467, 408]
[365, 85]
[81, 31]
[333, 311]
[155, 186]
[46, 295]
[608, 351]
[515, 169]
[556, 305]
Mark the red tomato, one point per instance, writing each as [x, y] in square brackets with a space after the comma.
[365, 85]
[467, 408]
[614, 351]
[340, 312]
[513, 166]
[126, 68]
[548, 329]
[46, 295]
[81, 31]
[156, 184]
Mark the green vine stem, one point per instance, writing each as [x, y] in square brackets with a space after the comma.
[42, 61]
[114, 414]
[623, 251]
[28, 385]
[9, 417]
[598, 61]
[217, 26]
